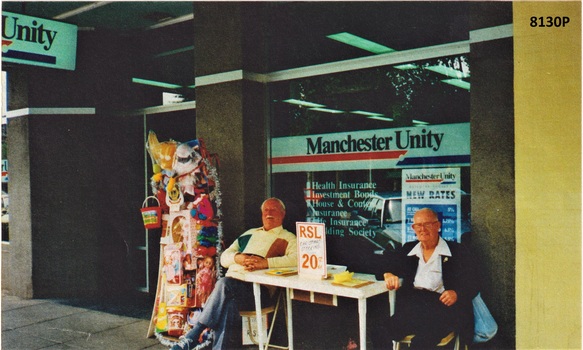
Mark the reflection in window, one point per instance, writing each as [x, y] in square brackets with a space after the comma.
[418, 93]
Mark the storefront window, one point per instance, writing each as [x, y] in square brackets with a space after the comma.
[432, 92]
[342, 142]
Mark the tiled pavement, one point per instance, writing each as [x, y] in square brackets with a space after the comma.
[65, 324]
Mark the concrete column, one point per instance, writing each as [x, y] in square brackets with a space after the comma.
[231, 112]
[492, 170]
[20, 248]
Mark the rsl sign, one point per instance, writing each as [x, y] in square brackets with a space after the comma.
[38, 41]
[311, 238]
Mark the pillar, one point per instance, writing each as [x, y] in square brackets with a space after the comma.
[492, 169]
[231, 115]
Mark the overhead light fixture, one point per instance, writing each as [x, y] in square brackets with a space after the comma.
[458, 82]
[361, 43]
[326, 110]
[191, 86]
[368, 114]
[174, 52]
[385, 119]
[420, 122]
[82, 9]
[293, 101]
[447, 71]
[155, 83]
[172, 21]
[406, 66]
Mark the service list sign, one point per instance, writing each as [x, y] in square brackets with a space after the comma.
[38, 41]
[311, 250]
[437, 189]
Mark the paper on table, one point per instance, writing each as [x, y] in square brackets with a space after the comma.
[353, 283]
[282, 272]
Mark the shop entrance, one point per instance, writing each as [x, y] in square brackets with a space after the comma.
[176, 122]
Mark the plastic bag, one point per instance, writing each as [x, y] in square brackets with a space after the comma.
[485, 327]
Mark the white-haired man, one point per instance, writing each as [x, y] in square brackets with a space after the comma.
[269, 246]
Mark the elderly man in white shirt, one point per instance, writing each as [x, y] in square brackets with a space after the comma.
[436, 292]
[259, 248]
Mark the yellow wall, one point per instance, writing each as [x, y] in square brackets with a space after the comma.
[548, 176]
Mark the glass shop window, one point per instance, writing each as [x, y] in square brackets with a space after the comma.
[341, 142]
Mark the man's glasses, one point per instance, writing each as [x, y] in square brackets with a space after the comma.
[425, 225]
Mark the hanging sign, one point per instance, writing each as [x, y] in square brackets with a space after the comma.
[408, 147]
[311, 239]
[437, 189]
[38, 41]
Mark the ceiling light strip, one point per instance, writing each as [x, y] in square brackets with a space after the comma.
[385, 119]
[172, 21]
[303, 103]
[175, 51]
[156, 83]
[82, 9]
[458, 83]
[326, 110]
[361, 43]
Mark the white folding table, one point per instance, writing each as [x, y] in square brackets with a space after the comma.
[319, 286]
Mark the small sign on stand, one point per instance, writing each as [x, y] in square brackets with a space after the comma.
[311, 238]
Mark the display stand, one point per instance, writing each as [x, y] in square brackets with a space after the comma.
[186, 183]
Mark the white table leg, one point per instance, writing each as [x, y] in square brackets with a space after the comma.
[260, 330]
[290, 327]
[392, 300]
[362, 322]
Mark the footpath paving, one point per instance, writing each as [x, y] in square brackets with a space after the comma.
[74, 324]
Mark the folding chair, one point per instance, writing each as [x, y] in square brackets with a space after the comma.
[444, 341]
[249, 315]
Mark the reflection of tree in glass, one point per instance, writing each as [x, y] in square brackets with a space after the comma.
[410, 83]
[402, 93]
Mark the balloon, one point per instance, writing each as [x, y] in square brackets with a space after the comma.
[162, 153]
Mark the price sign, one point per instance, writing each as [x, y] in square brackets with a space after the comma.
[311, 238]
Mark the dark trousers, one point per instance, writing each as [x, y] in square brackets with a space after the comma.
[417, 312]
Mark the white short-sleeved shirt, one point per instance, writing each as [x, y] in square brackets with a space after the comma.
[430, 274]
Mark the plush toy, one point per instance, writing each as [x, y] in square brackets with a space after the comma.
[202, 209]
[162, 153]
[201, 250]
[186, 165]
[186, 158]
[207, 236]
